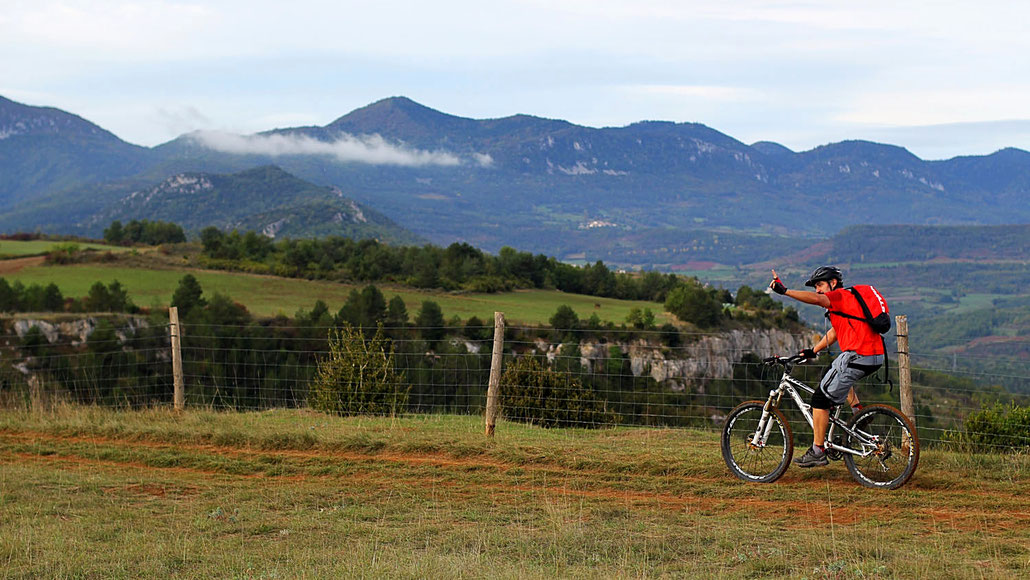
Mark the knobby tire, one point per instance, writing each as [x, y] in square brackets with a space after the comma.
[762, 465]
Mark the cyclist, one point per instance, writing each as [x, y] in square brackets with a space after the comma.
[861, 352]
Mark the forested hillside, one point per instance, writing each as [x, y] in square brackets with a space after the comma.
[885, 244]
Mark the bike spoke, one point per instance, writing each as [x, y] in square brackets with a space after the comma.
[890, 450]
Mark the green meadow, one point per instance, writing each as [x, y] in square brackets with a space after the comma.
[18, 248]
[269, 295]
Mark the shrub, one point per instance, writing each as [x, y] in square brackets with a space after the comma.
[692, 302]
[67, 253]
[358, 376]
[995, 429]
[534, 393]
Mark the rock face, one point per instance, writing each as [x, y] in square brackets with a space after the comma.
[78, 330]
[712, 356]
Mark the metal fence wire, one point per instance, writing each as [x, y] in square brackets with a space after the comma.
[594, 377]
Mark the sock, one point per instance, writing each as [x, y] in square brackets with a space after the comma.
[855, 409]
[819, 449]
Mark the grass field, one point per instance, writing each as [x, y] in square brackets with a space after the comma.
[291, 494]
[269, 295]
[17, 248]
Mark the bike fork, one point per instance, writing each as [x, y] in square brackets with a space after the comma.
[764, 424]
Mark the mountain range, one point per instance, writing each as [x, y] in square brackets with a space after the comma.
[537, 184]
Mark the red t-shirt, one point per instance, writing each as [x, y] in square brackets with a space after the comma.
[852, 334]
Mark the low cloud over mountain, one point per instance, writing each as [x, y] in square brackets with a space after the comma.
[371, 149]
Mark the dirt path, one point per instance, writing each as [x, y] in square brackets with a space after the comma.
[12, 266]
[987, 511]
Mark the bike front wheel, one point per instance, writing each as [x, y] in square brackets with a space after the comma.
[889, 442]
[766, 460]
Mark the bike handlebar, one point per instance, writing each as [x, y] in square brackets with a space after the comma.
[785, 360]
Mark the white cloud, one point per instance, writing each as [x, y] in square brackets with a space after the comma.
[483, 159]
[371, 149]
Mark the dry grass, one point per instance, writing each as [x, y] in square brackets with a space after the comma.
[90, 492]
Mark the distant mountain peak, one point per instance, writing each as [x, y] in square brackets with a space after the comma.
[396, 115]
[1011, 152]
[867, 150]
[20, 119]
[771, 148]
[402, 102]
[395, 105]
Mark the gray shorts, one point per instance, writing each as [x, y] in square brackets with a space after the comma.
[847, 369]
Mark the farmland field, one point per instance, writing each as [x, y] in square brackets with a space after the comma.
[17, 248]
[270, 295]
[292, 493]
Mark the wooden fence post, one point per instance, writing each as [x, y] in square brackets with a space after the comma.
[905, 368]
[176, 335]
[35, 394]
[495, 374]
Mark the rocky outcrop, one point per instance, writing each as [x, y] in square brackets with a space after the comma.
[689, 366]
[77, 330]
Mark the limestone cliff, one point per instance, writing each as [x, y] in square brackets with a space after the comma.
[710, 356]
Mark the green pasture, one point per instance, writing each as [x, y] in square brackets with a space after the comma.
[95, 493]
[971, 302]
[18, 249]
[726, 276]
[269, 295]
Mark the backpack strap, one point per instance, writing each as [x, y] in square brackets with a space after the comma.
[861, 302]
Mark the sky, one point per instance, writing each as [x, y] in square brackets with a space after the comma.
[939, 78]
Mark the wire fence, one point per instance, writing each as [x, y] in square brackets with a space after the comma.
[582, 378]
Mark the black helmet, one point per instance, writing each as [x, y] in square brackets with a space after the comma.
[826, 273]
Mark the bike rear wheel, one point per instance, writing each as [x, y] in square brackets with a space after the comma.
[894, 451]
[762, 463]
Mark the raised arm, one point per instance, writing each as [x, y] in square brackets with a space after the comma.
[805, 296]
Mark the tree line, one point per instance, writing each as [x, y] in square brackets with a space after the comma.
[153, 233]
[18, 297]
[459, 266]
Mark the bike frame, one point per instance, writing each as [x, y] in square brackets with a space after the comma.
[790, 386]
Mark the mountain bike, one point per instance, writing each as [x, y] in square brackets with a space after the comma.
[878, 444]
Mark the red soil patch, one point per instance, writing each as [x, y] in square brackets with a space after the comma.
[12, 266]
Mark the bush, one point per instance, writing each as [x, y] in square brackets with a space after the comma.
[995, 429]
[534, 393]
[358, 376]
[67, 253]
[692, 302]
[564, 321]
